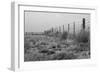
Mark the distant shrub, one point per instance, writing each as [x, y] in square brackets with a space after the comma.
[83, 36]
[64, 36]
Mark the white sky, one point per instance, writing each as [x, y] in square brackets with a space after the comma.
[40, 21]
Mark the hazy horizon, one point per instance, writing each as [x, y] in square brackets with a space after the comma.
[40, 21]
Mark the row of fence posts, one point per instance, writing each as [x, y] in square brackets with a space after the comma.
[68, 25]
[63, 30]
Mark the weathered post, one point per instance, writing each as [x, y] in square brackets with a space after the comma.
[59, 29]
[83, 25]
[68, 28]
[74, 28]
[52, 29]
[63, 28]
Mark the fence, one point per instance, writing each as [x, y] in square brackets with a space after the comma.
[71, 27]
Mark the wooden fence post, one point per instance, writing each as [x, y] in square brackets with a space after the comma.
[68, 28]
[83, 23]
[59, 29]
[52, 29]
[63, 28]
[74, 28]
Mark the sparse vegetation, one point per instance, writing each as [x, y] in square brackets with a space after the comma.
[57, 43]
[64, 36]
[83, 36]
[43, 47]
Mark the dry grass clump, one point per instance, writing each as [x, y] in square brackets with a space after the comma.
[83, 36]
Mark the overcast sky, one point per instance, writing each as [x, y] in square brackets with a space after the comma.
[40, 21]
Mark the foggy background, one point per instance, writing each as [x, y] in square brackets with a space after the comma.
[40, 21]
